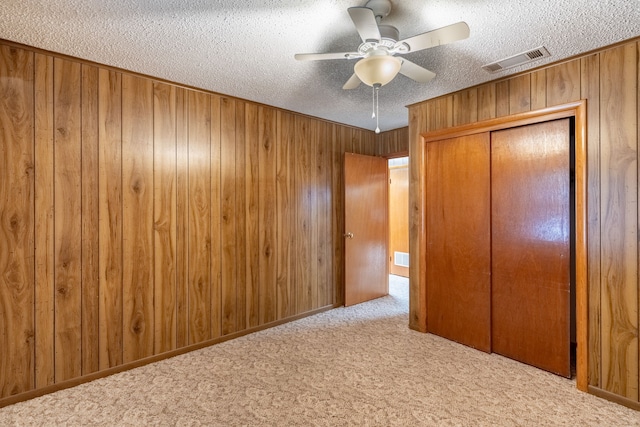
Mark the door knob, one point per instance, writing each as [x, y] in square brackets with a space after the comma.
[349, 235]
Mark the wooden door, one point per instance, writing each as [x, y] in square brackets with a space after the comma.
[530, 244]
[366, 229]
[399, 220]
[459, 240]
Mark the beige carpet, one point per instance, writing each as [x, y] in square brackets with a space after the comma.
[350, 366]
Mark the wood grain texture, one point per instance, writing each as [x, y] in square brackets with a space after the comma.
[44, 225]
[303, 224]
[325, 244]
[242, 135]
[487, 101]
[267, 264]
[458, 252]
[252, 232]
[285, 135]
[366, 267]
[314, 228]
[520, 94]
[530, 245]
[440, 113]
[110, 206]
[619, 214]
[90, 222]
[563, 83]
[393, 143]
[228, 192]
[465, 107]
[417, 239]
[145, 234]
[337, 153]
[137, 215]
[590, 90]
[539, 89]
[16, 222]
[164, 217]
[502, 98]
[68, 225]
[199, 217]
[182, 218]
[216, 218]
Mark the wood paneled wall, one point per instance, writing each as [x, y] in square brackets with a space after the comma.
[609, 81]
[139, 217]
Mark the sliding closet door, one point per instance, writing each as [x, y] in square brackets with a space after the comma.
[459, 240]
[530, 244]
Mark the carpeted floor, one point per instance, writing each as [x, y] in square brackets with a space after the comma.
[351, 366]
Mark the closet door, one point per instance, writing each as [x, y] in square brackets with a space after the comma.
[530, 244]
[458, 240]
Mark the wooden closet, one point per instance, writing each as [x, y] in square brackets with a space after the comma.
[498, 220]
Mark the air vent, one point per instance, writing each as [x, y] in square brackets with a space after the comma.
[401, 259]
[515, 60]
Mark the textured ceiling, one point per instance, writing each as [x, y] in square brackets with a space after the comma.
[245, 48]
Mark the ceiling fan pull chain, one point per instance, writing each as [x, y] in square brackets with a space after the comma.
[373, 102]
[376, 90]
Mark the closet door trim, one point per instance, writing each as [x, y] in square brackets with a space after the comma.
[579, 111]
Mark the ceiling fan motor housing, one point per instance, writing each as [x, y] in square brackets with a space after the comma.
[381, 8]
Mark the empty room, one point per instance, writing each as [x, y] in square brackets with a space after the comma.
[331, 212]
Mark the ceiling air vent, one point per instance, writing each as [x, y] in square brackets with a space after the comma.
[515, 60]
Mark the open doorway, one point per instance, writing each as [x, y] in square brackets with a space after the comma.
[399, 216]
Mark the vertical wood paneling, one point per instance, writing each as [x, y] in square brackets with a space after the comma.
[44, 205]
[502, 98]
[418, 116]
[338, 150]
[199, 217]
[520, 94]
[538, 89]
[252, 237]
[440, 113]
[67, 216]
[619, 213]
[325, 282]
[563, 83]
[267, 264]
[228, 213]
[182, 218]
[465, 107]
[137, 264]
[590, 88]
[110, 184]
[164, 215]
[216, 219]
[303, 214]
[285, 134]
[241, 136]
[90, 222]
[487, 101]
[314, 229]
[137, 216]
[16, 221]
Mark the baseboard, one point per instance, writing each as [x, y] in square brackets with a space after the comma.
[31, 394]
[614, 398]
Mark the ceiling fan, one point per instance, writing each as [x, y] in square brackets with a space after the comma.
[378, 64]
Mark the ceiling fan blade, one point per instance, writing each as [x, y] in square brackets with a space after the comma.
[444, 35]
[352, 83]
[329, 55]
[365, 22]
[416, 72]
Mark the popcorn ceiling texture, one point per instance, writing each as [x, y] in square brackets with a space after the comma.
[245, 48]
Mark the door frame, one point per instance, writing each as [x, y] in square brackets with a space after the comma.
[417, 279]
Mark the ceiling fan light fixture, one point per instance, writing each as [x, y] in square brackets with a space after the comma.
[377, 69]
